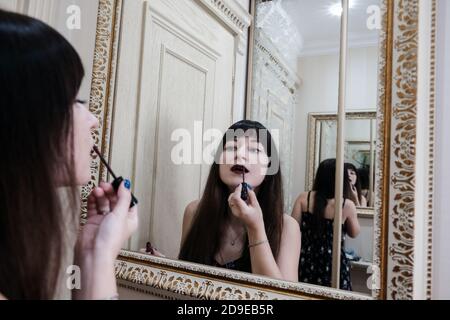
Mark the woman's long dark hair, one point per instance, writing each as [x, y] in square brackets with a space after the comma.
[204, 237]
[350, 166]
[324, 190]
[363, 175]
[40, 75]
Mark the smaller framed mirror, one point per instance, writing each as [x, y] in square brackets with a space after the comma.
[360, 145]
[359, 156]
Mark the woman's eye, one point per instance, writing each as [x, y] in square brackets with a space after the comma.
[255, 150]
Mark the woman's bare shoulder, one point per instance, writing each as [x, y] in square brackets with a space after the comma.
[302, 199]
[349, 209]
[302, 196]
[189, 213]
[191, 208]
[349, 205]
[188, 218]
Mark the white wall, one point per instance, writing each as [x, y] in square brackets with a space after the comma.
[8, 5]
[83, 39]
[54, 13]
[319, 93]
[441, 214]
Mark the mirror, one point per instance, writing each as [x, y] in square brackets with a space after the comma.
[182, 92]
[295, 84]
[133, 134]
[359, 149]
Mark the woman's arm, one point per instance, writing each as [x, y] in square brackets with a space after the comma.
[188, 218]
[363, 201]
[289, 253]
[109, 224]
[352, 223]
[262, 259]
[285, 267]
[98, 280]
[297, 210]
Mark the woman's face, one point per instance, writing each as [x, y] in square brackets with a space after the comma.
[352, 176]
[244, 154]
[83, 124]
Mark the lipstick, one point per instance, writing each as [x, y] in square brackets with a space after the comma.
[244, 191]
[117, 180]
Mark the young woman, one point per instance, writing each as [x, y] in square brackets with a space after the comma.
[46, 138]
[355, 186]
[223, 230]
[314, 211]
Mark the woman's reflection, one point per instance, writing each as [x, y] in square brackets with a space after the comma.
[363, 174]
[314, 211]
[254, 236]
[356, 194]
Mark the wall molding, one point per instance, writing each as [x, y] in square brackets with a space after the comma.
[233, 16]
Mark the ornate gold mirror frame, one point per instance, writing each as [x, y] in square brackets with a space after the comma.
[399, 258]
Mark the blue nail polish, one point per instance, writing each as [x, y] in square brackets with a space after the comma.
[127, 184]
[249, 186]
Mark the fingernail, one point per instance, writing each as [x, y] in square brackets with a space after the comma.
[127, 184]
[249, 186]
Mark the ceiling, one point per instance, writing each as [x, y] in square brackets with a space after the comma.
[319, 29]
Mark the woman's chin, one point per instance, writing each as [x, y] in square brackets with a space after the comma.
[233, 184]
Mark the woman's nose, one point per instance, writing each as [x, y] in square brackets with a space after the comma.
[241, 153]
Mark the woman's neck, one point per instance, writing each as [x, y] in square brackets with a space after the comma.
[232, 189]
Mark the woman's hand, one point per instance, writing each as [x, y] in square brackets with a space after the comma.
[157, 253]
[250, 212]
[110, 222]
[354, 194]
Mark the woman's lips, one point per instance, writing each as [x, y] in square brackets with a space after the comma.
[239, 169]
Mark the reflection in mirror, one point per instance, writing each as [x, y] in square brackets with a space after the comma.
[239, 223]
[359, 149]
[228, 213]
[295, 74]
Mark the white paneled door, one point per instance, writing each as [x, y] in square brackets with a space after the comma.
[181, 81]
